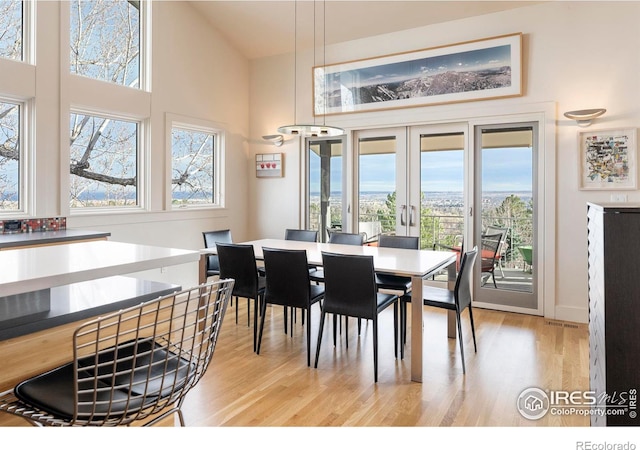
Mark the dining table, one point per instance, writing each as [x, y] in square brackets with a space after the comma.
[419, 265]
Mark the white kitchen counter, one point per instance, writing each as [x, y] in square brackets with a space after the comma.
[33, 269]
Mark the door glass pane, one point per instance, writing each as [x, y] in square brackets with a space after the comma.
[377, 187]
[325, 187]
[441, 186]
[507, 209]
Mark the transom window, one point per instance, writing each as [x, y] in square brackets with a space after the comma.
[105, 40]
[194, 168]
[11, 29]
[104, 162]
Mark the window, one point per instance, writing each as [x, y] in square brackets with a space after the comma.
[11, 29]
[105, 40]
[194, 167]
[10, 133]
[104, 162]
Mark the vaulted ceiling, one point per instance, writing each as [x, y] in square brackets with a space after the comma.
[265, 28]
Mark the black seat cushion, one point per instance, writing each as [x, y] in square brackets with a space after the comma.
[53, 391]
[393, 282]
[439, 297]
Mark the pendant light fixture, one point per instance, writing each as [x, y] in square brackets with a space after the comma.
[306, 130]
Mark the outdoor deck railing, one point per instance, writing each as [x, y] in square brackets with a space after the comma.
[447, 230]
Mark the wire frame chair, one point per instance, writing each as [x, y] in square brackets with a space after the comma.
[137, 364]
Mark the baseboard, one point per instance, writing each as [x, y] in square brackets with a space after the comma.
[571, 314]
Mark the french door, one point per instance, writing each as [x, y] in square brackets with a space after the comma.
[452, 184]
[506, 205]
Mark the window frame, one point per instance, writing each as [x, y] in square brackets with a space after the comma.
[25, 165]
[219, 138]
[141, 164]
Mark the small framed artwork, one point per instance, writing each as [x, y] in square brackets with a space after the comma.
[608, 159]
[269, 165]
[467, 71]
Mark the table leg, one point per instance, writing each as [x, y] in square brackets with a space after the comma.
[202, 269]
[416, 329]
[417, 323]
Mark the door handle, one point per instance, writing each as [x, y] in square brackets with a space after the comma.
[411, 215]
[403, 214]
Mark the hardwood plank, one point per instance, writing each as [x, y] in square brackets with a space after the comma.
[276, 388]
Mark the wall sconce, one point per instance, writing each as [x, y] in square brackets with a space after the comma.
[277, 139]
[585, 116]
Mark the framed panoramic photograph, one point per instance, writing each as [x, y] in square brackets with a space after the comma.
[608, 159]
[468, 71]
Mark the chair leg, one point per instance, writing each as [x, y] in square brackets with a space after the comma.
[249, 312]
[257, 301]
[493, 276]
[335, 326]
[263, 307]
[285, 319]
[320, 328]
[293, 317]
[460, 341]
[403, 324]
[473, 329]
[375, 349]
[308, 313]
[346, 330]
[236, 310]
[395, 329]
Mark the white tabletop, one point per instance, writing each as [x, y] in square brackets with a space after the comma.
[32, 269]
[395, 261]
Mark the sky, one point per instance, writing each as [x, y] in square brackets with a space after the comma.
[508, 169]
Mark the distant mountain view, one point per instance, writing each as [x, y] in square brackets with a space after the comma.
[449, 82]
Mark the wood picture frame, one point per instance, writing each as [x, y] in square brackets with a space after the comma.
[482, 69]
[608, 159]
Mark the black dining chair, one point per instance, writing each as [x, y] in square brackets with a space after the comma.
[338, 238]
[457, 300]
[396, 282]
[351, 291]
[210, 240]
[238, 261]
[291, 234]
[288, 284]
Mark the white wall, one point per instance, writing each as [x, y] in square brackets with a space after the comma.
[195, 73]
[576, 55]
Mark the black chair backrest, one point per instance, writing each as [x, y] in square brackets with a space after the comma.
[409, 242]
[346, 238]
[349, 285]
[301, 235]
[210, 240]
[287, 281]
[238, 261]
[462, 291]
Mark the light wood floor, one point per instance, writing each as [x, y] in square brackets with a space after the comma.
[276, 388]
